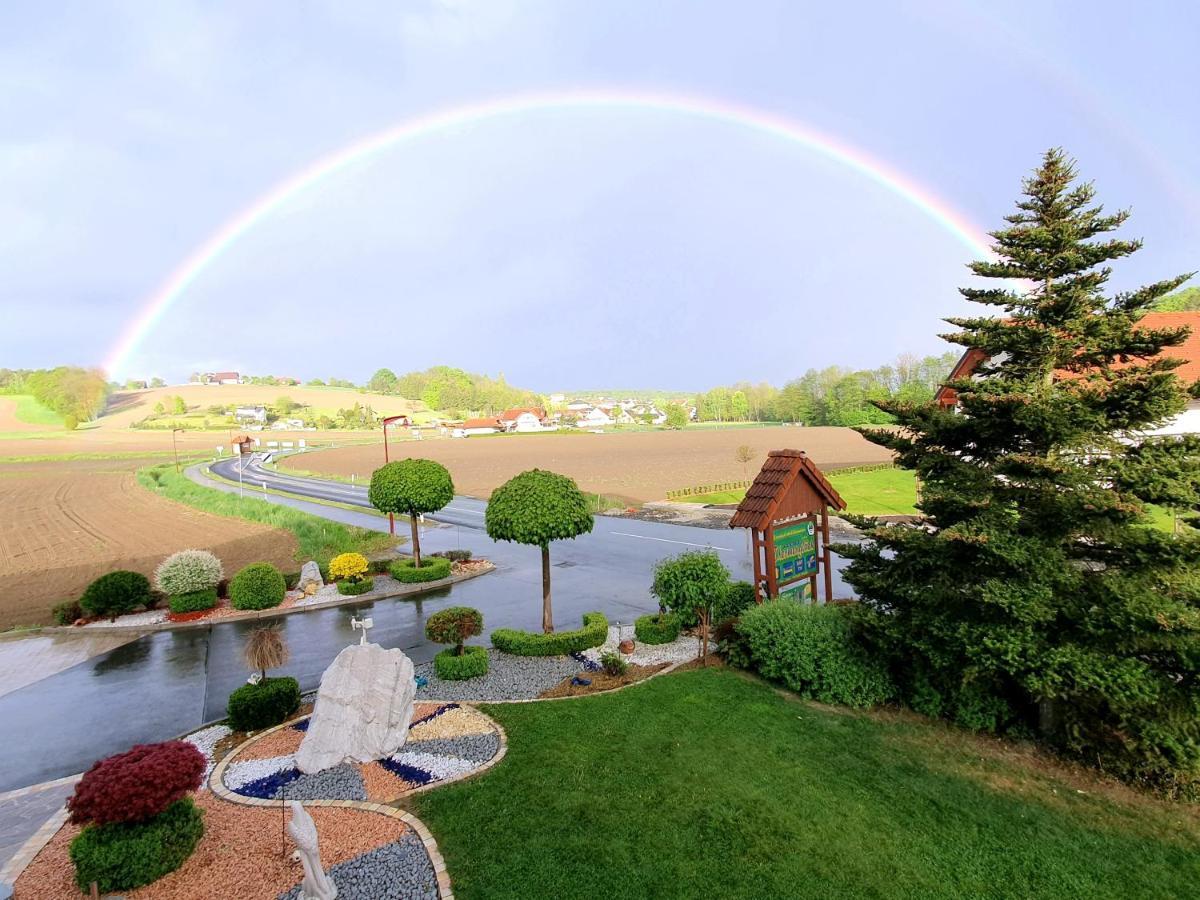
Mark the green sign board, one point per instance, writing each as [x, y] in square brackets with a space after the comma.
[795, 554]
[801, 592]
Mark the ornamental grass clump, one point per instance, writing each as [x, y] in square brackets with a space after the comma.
[139, 823]
[255, 706]
[257, 586]
[189, 578]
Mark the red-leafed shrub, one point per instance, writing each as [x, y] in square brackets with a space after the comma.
[138, 784]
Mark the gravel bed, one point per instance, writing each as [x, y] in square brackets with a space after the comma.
[509, 677]
[148, 617]
[684, 647]
[205, 740]
[398, 871]
[342, 782]
[477, 748]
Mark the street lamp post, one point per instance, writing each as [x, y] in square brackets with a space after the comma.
[386, 422]
[175, 447]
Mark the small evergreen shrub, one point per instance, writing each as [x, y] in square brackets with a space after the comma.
[349, 588]
[453, 555]
[67, 612]
[136, 785]
[127, 855]
[188, 571]
[454, 625]
[659, 628]
[432, 568]
[613, 663]
[116, 593]
[525, 643]
[194, 601]
[471, 664]
[253, 707]
[257, 586]
[811, 650]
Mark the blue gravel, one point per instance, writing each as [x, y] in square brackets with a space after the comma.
[474, 747]
[397, 871]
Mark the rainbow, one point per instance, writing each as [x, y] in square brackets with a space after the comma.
[772, 124]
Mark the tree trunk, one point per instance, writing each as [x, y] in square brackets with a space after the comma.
[547, 614]
[412, 520]
[704, 636]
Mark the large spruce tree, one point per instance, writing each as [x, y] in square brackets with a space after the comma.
[1040, 597]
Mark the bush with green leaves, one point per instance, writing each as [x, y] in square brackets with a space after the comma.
[525, 643]
[454, 555]
[188, 571]
[613, 663]
[258, 586]
[813, 651]
[193, 601]
[67, 612]
[253, 707]
[348, 588]
[689, 585]
[739, 598]
[126, 855]
[116, 593]
[454, 625]
[450, 666]
[656, 628]
[432, 568]
[411, 487]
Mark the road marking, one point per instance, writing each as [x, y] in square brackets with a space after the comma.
[473, 512]
[645, 537]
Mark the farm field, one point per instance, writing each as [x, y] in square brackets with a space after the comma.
[66, 523]
[635, 466]
[879, 492]
[22, 413]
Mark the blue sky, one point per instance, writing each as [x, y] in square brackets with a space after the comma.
[568, 249]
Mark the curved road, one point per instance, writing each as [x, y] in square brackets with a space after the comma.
[168, 682]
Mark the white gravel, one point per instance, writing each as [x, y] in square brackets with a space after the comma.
[149, 617]
[329, 592]
[239, 774]
[440, 767]
[205, 740]
[683, 648]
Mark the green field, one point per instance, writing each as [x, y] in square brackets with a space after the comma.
[710, 783]
[874, 492]
[31, 412]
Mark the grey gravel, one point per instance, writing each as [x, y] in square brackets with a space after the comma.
[474, 747]
[397, 871]
[509, 677]
[338, 783]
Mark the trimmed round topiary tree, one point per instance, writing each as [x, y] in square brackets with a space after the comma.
[188, 572]
[537, 507]
[257, 586]
[136, 785]
[116, 593]
[411, 487]
[256, 706]
[454, 625]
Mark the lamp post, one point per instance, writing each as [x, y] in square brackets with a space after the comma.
[386, 422]
[175, 447]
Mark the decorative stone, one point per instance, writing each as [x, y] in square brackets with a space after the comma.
[310, 573]
[626, 646]
[363, 709]
[316, 884]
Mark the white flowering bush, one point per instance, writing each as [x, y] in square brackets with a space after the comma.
[188, 571]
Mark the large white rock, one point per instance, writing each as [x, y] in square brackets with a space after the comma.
[310, 573]
[364, 707]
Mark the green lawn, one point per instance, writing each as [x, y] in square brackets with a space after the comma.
[318, 538]
[876, 492]
[711, 784]
[31, 412]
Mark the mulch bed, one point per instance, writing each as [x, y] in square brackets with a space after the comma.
[601, 681]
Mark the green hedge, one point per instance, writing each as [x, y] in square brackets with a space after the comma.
[124, 856]
[354, 588]
[194, 601]
[433, 568]
[660, 628]
[253, 707]
[739, 598]
[811, 649]
[257, 586]
[116, 593]
[67, 612]
[525, 643]
[472, 664]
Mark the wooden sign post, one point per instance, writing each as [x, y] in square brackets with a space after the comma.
[787, 512]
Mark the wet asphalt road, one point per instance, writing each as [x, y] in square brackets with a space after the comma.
[167, 683]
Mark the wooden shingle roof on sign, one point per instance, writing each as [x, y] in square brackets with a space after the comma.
[773, 483]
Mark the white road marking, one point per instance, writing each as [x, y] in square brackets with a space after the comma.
[645, 537]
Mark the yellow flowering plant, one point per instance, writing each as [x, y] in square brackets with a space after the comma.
[350, 566]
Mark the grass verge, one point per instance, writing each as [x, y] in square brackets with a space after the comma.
[317, 538]
[709, 783]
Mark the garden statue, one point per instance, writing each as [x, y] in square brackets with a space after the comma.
[363, 710]
[316, 884]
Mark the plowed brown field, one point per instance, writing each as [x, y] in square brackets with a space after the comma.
[65, 523]
[637, 466]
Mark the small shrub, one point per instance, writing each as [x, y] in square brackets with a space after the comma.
[67, 612]
[116, 593]
[659, 628]
[253, 707]
[432, 569]
[811, 650]
[194, 601]
[731, 644]
[124, 856]
[351, 566]
[453, 555]
[471, 664]
[257, 586]
[188, 571]
[454, 625]
[737, 599]
[690, 584]
[349, 588]
[613, 663]
[136, 785]
[525, 643]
